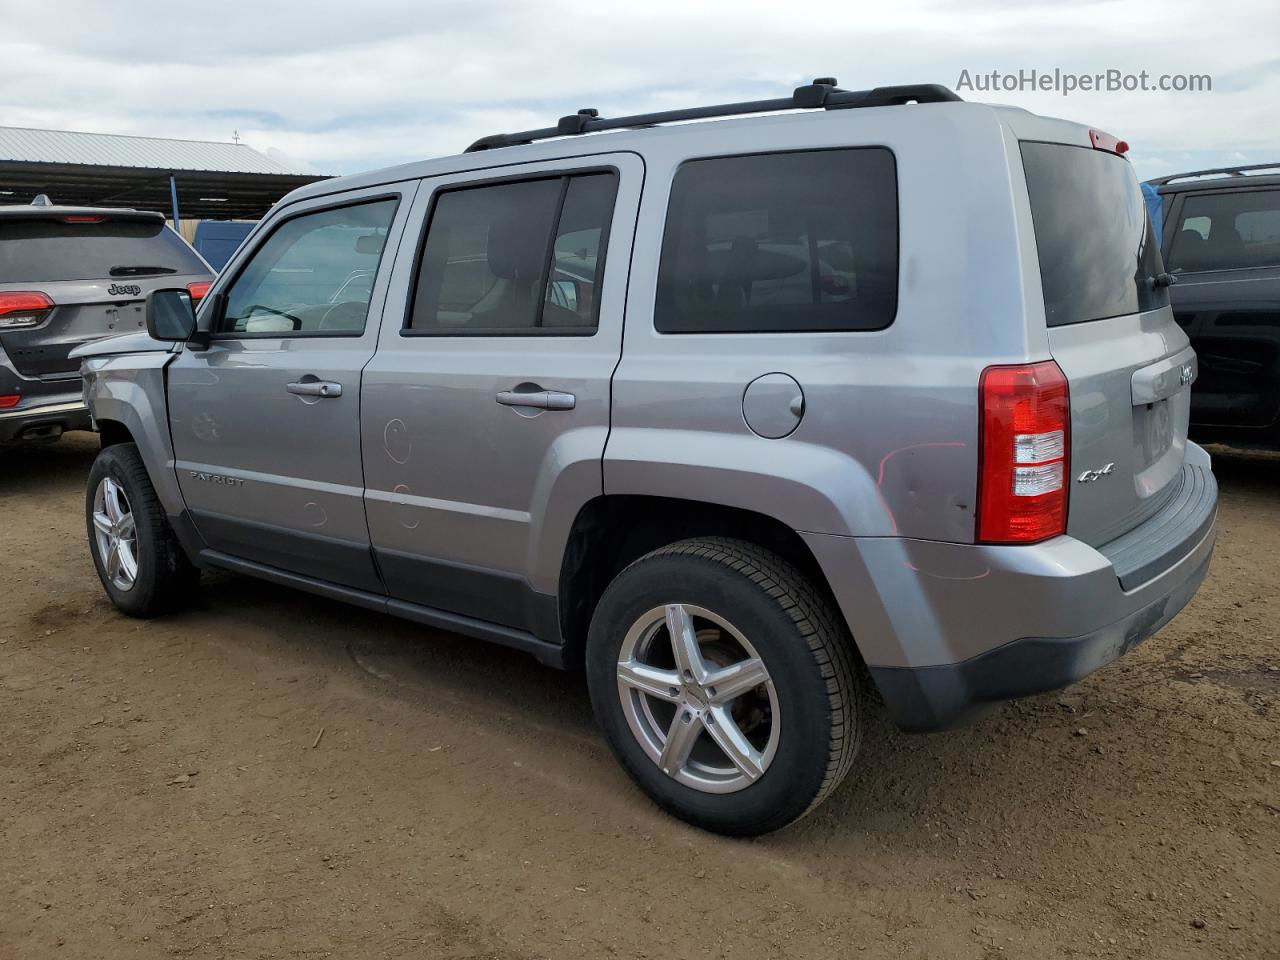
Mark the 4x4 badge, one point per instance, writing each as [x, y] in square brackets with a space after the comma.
[1091, 475]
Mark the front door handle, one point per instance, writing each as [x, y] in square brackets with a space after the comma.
[314, 388]
[542, 399]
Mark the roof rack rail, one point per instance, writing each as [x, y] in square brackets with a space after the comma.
[822, 93]
[1228, 171]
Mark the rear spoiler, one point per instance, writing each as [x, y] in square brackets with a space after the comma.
[78, 214]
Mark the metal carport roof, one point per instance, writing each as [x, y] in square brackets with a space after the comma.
[212, 180]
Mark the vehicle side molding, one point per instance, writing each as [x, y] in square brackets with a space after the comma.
[549, 654]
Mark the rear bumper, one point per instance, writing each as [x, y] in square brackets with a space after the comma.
[49, 407]
[45, 420]
[948, 628]
[935, 698]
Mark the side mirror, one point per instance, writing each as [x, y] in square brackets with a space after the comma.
[171, 316]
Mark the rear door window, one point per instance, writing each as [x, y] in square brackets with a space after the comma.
[49, 249]
[522, 258]
[1227, 231]
[1097, 250]
[781, 243]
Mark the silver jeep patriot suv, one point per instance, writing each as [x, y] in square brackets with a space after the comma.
[844, 393]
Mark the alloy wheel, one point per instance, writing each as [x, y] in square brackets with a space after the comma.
[698, 698]
[116, 534]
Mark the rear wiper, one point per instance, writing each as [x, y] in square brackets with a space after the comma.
[140, 271]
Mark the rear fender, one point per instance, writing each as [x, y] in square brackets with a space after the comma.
[808, 487]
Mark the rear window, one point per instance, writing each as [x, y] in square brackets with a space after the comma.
[1097, 250]
[48, 250]
[1227, 231]
[781, 243]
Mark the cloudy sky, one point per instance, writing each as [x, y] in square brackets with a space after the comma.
[343, 87]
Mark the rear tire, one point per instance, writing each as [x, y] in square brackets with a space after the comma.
[772, 752]
[139, 560]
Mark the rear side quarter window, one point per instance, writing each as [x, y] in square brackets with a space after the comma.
[781, 243]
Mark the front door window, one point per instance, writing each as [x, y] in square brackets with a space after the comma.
[313, 275]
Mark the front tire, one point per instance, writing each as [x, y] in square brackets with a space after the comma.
[725, 685]
[139, 560]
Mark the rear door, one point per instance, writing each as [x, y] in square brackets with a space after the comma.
[486, 408]
[266, 420]
[1224, 247]
[1129, 366]
[94, 270]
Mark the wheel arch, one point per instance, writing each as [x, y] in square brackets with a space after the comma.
[126, 395]
[113, 432]
[612, 530]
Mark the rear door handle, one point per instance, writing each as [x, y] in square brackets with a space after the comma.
[314, 388]
[542, 399]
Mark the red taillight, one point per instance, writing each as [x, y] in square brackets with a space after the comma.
[1025, 444]
[82, 218]
[23, 309]
[23, 302]
[9, 401]
[199, 289]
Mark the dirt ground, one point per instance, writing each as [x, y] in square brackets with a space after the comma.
[273, 775]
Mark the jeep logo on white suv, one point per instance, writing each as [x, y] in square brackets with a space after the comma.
[124, 290]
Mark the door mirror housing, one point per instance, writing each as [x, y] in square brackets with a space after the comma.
[171, 315]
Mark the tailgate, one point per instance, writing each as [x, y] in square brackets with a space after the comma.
[1130, 381]
[82, 311]
[1129, 366]
[42, 351]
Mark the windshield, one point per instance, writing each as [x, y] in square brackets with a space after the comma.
[48, 250]
[1097, 251]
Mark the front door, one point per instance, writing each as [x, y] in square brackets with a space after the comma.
[486, 407]
[266, 420]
